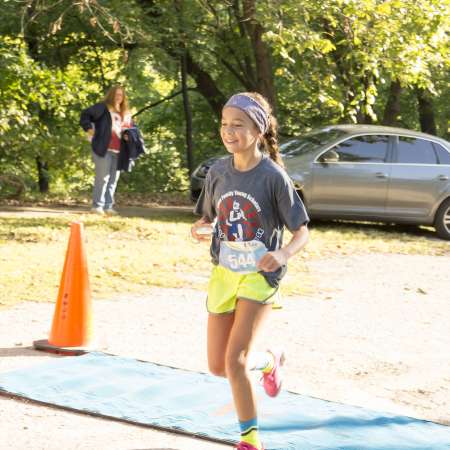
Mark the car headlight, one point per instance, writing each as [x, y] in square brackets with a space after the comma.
[201, 171]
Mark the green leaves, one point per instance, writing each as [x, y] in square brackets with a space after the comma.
[331, 60]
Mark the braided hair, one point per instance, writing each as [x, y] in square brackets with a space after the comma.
[269, 140]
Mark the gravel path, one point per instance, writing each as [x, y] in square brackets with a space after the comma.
[375, 335]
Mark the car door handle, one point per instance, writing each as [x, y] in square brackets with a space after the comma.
[443, 177]
[381, 175]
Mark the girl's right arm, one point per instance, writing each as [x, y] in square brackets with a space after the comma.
[202, 229]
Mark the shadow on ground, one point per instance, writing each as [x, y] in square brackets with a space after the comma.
[390, 230]
[56, 217]
[22, 351]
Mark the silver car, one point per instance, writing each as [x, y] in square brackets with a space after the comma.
[367, 172]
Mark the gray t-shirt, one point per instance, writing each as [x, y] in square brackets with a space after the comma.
[254, 205]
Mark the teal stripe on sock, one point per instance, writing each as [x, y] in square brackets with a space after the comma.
[248, 425]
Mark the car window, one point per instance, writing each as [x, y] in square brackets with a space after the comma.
[310, 142]
[415, 151]
[292, 147]
[362, 149]
[443, 154]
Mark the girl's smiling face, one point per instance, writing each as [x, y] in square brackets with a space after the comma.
[238, 132]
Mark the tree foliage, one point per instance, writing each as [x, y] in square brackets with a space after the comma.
[319, 62]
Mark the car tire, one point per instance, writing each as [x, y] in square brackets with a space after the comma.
[442, 220]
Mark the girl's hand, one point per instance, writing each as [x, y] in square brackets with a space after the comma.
[272, 261]
[202, 230]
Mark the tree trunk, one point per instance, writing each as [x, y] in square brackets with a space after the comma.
[205, 85]
[187, 114]
[426, 112]
[30, 38]
[262, 54]
[392, 108]
[184, 87]
[43, 178]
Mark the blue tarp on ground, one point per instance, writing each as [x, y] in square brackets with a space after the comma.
[200, 404]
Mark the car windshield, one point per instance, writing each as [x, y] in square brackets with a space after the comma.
[310, 142]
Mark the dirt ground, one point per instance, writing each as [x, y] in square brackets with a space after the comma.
[376, 334]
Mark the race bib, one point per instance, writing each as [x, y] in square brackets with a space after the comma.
[241, 257]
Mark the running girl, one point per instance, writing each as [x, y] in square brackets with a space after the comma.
[250, 199]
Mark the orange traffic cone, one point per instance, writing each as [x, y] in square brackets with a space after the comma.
[71, 331]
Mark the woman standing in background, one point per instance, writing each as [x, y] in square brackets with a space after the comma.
[104, 123]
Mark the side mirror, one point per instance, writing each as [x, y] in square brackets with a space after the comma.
[331, 156]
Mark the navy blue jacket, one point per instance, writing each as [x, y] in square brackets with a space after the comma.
[98, 115]
[131, 149]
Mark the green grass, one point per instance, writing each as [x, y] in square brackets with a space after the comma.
[128, 255]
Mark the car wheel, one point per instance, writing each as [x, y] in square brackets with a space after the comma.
[442, 220]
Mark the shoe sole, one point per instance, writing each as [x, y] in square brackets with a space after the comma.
[281, 364]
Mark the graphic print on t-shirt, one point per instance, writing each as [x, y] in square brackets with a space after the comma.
[236, 222]
[240, 232]
[238, 217]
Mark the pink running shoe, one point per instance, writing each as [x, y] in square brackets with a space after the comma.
[272, 380]
[246, 446]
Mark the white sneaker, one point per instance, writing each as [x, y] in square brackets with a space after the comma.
[111, 212]
[98, 210]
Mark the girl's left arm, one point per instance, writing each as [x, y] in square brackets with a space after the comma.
[272, 261]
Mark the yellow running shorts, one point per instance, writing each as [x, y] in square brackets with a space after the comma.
[226, 286]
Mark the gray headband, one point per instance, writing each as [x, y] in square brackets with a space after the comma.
[252, 108]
